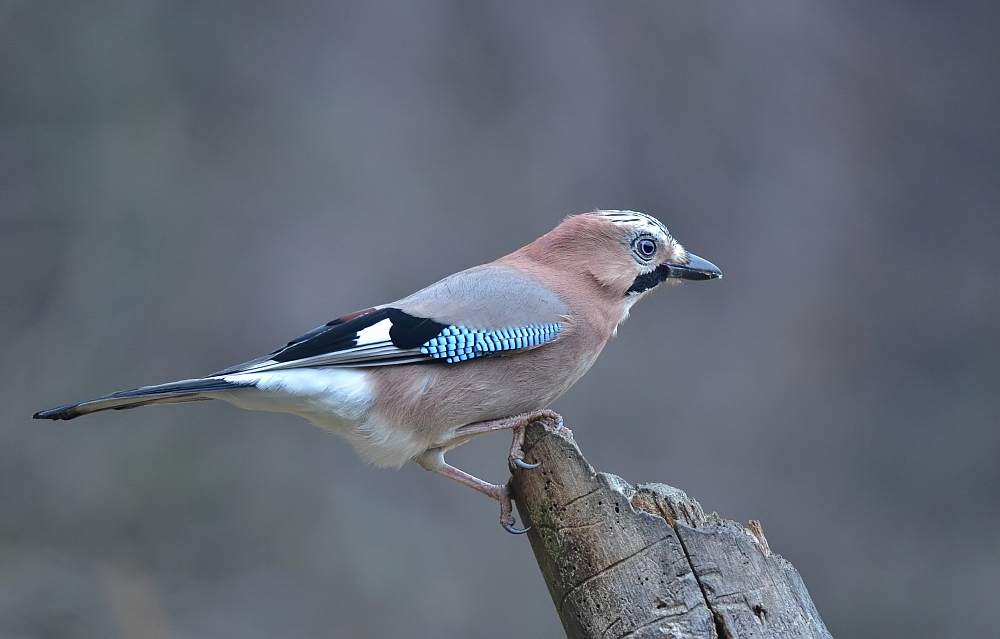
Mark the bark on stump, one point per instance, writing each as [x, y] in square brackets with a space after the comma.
[646, 561]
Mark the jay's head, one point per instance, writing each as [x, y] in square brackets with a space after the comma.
[628, 253]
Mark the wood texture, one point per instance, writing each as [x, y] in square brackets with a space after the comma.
[645, 561]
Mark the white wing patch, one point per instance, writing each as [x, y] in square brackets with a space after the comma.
[375, 335]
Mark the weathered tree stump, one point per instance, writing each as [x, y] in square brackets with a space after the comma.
[647, 562]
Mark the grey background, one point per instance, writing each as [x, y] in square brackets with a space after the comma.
[186, 185]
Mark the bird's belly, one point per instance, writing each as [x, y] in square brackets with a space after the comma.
[433, 400]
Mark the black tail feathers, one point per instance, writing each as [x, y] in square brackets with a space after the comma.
[187, 390]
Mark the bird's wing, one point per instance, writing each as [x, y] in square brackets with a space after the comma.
[483, 311]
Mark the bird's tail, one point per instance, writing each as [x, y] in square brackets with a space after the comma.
[187, 390]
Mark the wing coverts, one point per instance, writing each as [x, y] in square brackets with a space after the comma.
[458, 343]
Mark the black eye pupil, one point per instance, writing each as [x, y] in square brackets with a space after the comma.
[647, 247]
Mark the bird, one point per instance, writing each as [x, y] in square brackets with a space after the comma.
[486, 349]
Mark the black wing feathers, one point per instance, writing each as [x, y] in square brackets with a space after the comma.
[333, 337]
[409, 332]
[406, 332]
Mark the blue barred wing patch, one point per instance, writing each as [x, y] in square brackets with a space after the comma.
[458, 343]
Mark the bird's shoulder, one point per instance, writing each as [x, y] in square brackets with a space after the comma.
[487, 297]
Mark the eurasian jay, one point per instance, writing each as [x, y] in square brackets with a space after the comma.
[488, 348]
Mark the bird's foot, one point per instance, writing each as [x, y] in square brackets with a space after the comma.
[507, 512]
[516, 454]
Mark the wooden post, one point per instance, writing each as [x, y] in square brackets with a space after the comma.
[646, 561]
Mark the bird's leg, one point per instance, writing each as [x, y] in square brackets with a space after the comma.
[433, 460]
[517, 423]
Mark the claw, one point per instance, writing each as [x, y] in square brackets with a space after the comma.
[557, 418]
[520, 463]
[507, 513]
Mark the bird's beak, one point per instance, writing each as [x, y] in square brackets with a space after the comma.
[695, 269]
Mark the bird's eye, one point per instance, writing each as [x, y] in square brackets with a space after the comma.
[645, 247]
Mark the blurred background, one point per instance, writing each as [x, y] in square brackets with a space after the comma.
[187, 185]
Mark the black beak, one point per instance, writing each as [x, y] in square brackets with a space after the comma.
[695, 269]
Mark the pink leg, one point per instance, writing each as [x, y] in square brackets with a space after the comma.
[433, 460]
[516, 423]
